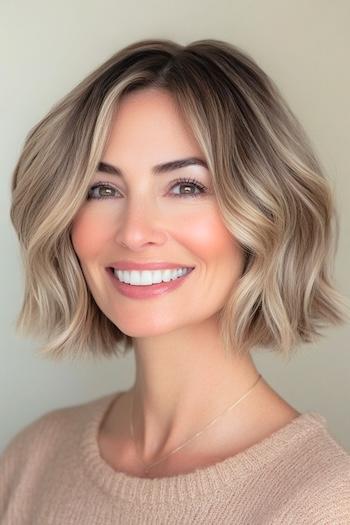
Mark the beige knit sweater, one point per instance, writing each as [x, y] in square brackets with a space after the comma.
[52, 473]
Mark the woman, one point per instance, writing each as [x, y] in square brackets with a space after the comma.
[171, 205]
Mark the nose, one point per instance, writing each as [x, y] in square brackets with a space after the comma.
[140, 224]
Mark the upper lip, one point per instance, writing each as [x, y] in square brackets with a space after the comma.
[130, 265]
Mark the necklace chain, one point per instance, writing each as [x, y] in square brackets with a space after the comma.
[150, 465]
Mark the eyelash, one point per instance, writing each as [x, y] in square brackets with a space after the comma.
[177, 182]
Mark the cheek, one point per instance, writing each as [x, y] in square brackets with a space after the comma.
[89, 233]
[210, 238]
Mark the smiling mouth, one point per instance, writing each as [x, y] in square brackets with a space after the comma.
[146, 284]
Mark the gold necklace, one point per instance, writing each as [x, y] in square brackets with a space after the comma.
[150, 465]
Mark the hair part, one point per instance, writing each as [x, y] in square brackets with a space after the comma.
[270, 188]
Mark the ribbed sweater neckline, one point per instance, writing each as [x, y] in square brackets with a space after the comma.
[193, 484]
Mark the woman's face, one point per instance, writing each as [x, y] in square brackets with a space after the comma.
[147, 217]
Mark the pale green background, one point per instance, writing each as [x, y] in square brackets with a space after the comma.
[47, 47]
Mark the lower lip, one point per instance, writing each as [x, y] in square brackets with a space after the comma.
[144, 292]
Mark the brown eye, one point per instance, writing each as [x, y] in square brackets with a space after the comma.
[106, 192]
[189, 185]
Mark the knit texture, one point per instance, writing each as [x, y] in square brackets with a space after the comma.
[51, 472]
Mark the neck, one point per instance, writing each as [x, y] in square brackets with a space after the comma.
[176, 393]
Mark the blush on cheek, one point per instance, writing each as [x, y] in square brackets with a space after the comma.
[212, 237]
[89, 236]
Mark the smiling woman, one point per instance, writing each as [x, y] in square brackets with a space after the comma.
[181, 214]
[146, 212]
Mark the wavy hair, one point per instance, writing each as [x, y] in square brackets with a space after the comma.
[270, 188]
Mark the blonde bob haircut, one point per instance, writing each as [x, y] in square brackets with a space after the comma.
[270, 189]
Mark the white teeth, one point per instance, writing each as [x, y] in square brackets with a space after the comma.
[147, 277]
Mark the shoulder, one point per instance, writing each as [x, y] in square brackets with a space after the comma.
[325, 498]
[322, 494]
[305, 474]
[41, 452]
[39, 441]
[57, 419]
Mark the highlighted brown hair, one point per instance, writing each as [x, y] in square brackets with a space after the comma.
[270, 187]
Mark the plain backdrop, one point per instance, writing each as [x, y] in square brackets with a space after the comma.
[47, 47]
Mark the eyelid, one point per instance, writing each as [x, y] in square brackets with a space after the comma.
[188, 180]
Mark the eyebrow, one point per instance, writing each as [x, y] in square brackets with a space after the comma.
[158, 169]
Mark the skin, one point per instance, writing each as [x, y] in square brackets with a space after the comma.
[183, 379]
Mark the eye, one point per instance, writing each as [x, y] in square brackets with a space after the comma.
[189, 183]
[94, 192]
[102, 190]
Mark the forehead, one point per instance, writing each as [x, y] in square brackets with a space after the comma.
[149, 120]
